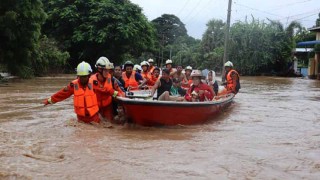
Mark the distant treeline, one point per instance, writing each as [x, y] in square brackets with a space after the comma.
[40, 37]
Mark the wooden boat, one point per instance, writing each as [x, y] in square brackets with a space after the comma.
[154, 113]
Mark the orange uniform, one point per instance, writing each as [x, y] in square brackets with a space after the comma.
[104, 93]
[147, 75]
[85, 100]
[233, 81]
[151, 68]
[130, 81]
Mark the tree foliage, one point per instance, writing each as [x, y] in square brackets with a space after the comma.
[92, 28]
[20, 26]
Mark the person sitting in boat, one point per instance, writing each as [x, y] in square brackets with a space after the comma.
[137, 68]
[211, 81]
[155, 74]
[151, 66]
[85, 99]
[163, 85]
[204, 91]
[232, 84]
[169, 67]
[178, 74]
[118, 75]
[103, 81]
[132, 79]
[187, 84]
[146, 74]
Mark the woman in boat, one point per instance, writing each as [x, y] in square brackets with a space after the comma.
[163, 85]
[211, 81]
[204, 91]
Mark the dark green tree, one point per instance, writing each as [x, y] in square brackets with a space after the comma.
[213, 36]
[20, 26]
[169, 27]
[89, 29]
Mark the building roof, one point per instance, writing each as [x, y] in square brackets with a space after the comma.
[306, 43]
[315, 29]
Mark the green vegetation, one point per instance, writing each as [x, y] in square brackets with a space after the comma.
[40, 37]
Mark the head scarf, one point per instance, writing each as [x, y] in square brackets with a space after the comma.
[213, 77]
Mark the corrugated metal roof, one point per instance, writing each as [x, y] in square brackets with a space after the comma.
[306, 43]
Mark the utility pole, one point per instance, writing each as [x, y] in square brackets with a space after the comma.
[226, 40]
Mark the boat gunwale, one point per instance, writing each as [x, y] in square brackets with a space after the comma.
[173, 103]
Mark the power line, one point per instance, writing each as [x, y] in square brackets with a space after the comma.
[183, 7]
[193, 11]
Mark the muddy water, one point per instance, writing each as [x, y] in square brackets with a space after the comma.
[271, 131]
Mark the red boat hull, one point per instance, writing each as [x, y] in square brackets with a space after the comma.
[155, 113]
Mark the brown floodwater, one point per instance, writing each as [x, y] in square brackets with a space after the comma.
[271, 131]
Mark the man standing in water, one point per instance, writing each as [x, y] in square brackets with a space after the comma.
[104, 88]
[85, 99]
[232, 79]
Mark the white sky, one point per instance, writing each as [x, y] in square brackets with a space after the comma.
[196, 13]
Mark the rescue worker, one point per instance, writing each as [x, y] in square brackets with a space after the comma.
[146, 74]
[155, 74]
[85, 99]
[232, 84]
[211, 81]
[137, 68]
[151, 66]
[187, 84]
[169, 67]
[162, 86]
[202, 90]
[132, 79]
[104, 89]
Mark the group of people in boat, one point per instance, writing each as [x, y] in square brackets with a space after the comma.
[95, 93]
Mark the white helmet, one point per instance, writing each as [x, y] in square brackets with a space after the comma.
[137, 67]
[228, 64]
[144, 63]
[83, 69]
[102, 62]
[188, 68]
[169, 61]
[109, 65]
[150, 60]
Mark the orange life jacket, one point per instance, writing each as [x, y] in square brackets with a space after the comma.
[103, 99]
[148, 76]
[230, 85]
[131, 81]
[85, 100]
[151, 69]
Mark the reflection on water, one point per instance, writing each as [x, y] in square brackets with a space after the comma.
[271, 131]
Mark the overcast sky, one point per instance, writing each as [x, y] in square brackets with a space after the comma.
[196, 13]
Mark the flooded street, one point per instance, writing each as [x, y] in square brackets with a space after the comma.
[271, 131]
